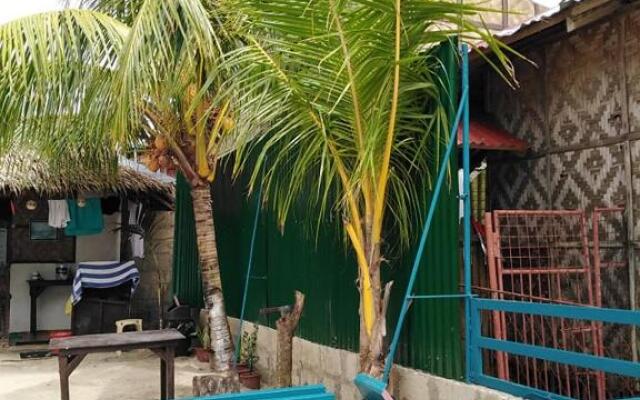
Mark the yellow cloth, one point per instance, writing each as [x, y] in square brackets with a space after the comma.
[68, 306]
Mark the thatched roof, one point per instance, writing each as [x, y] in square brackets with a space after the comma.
[28, 174]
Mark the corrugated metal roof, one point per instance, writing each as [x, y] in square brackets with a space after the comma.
[537, 19]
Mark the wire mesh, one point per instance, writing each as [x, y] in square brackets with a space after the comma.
[543, 256]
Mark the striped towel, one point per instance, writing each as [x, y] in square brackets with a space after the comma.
[104, 274]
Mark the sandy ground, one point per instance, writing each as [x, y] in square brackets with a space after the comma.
[133, 375]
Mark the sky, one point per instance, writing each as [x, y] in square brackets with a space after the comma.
[12, 9]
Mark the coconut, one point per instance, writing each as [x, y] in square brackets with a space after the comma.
[164, 161]
[145, 158]
[154, 165]
[160, 142]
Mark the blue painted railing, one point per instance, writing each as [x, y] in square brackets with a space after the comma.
[478, 342]
[308, 392]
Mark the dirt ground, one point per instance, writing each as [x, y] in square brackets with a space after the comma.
[131, 376]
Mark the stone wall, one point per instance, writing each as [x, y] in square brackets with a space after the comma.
[314, 363]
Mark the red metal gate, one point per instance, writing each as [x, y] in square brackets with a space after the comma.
[543, 256]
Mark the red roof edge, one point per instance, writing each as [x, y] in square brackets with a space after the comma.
[485, 136]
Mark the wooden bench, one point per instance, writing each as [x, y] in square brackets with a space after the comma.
[71, 351]
[308, 392]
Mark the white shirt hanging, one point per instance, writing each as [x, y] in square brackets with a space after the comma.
[136, 240]
[58, 213]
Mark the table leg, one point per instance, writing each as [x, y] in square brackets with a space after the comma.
[63, 364]
[66, 365]
[163, 379]
[170, 372]
[33, 325]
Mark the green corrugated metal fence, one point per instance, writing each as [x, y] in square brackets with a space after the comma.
[186, 281]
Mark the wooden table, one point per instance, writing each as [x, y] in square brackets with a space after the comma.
[71, 351]
[36, 287]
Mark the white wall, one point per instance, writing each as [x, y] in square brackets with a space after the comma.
[101, 247]
[50, 303]
[104, 246]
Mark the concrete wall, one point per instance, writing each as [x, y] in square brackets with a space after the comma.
[104, 246]
[314, 363]
[50, 303]
[101, 247]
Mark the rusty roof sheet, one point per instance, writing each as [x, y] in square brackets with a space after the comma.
[486, 136]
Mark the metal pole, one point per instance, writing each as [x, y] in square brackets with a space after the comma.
[246, 279]
[466, 190]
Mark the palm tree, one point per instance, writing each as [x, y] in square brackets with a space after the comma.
[82, 86]
[346, 94]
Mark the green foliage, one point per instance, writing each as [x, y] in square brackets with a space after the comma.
[311, 82]
[204, 337]
[123, 10]
[248, 348]
[54, 84]
[315, 81]
[78, 85]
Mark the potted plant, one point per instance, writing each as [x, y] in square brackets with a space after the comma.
[203, 350]
[249, 377]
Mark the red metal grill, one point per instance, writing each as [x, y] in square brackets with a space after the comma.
[543, 256]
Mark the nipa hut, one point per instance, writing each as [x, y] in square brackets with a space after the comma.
[51, 222]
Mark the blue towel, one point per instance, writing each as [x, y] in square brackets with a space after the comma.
[86, 220]
[101, 275]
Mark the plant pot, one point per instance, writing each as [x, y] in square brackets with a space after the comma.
[202, 354]
[251, 380]
[243, 369]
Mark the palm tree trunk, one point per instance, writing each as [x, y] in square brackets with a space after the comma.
[372, 349]
[221, 342]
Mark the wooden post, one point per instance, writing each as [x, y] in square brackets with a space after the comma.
[66, 365]
[163, 376]
[170, 373]
[286, 325]
[63, 364]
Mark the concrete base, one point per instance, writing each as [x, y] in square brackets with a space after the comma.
[314, 363]
[216, 383]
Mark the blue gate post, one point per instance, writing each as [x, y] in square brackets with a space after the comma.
[475, 332]
[466, 197]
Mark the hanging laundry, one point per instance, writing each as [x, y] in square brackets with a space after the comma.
[85, 220]
[58, 213]
[136, 240]
[102, 275]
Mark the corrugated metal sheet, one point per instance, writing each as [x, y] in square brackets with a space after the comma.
[323, 268]
[186, 281]
[486, 136]
[533, 20]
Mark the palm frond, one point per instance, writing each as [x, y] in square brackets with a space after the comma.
[53, 70]
[80, 81]
[317, 78]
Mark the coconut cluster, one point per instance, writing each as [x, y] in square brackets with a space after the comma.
[159, 157]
